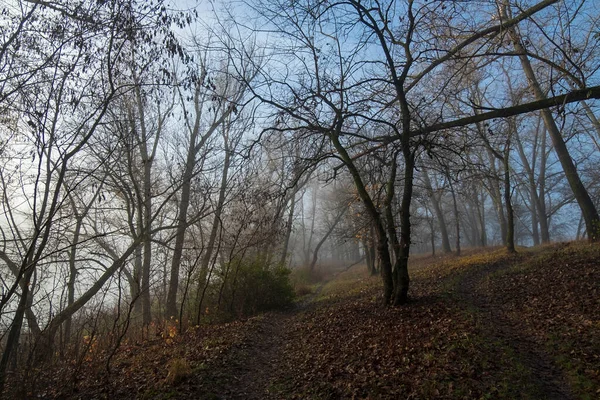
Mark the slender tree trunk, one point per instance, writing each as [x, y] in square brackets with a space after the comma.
[541, 184]
[588, 209]
[311, 232]
[196, 142]
[72, 278]
[147, 245]
[532, 189]
[135, 285]
[171, 305]
[435, 201]
[12, 341]
[218, 210]
[481, 214]
[288, 230]
[456, 215]
[595, 123]
[368, 259]
[497, 198]
[337, 219]
[432, 230]
[510, 232]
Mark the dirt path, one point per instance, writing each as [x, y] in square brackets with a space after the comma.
[254, 362]
[546, 378]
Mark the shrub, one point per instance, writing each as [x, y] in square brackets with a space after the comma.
[255, 286]
[304, 280]
[179, 369]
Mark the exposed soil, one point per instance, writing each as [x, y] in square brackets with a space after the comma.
[255, 361]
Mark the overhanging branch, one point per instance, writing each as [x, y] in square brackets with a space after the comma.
[571, 97]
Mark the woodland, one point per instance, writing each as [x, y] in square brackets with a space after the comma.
[299, 199]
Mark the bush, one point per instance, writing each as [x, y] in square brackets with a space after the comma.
[304, 280]
[255, 286]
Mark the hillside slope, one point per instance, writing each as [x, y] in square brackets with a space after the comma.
[485, 325]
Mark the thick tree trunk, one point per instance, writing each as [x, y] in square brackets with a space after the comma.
[402, 279]
[382, 240]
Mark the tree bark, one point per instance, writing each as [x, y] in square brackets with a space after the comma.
[402, 278]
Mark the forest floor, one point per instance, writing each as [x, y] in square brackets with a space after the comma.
[486, 325]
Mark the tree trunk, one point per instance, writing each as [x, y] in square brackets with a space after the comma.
[382, 240]
[288, 230]
[12, 341]
[594, 121]
[402, 278]
[147, 245]
[72, 278]
[541, 206]
[481, 213]
[218, 210]
[588, 209]
[171, 305]
[510, 232]
[456, 215]
[497, 198]
[307, 249]
[435, 201]
[337, 219]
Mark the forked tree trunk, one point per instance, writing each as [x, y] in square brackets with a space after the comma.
[337, 219]
[382, 240]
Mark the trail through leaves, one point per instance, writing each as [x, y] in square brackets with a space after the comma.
[485, 325]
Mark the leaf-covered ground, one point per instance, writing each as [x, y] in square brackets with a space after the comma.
[487, 325]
